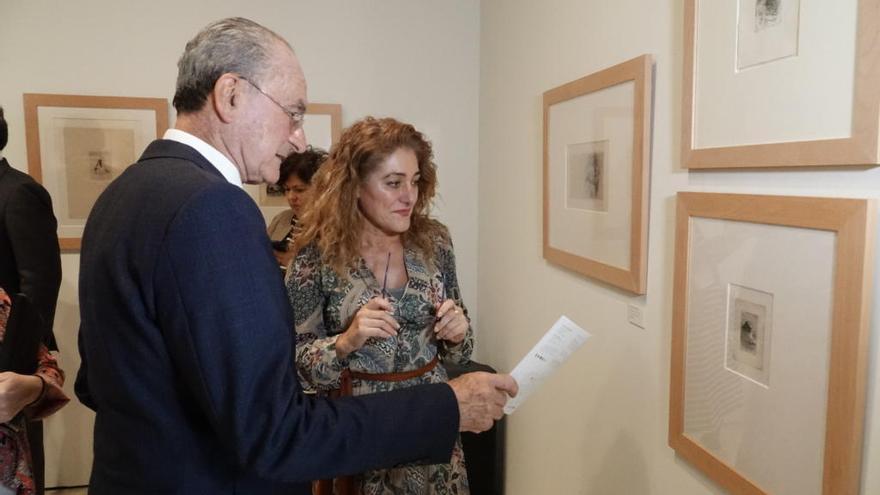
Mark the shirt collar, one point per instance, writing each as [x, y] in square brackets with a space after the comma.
[218, 160]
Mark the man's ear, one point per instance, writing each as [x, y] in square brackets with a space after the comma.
[227, 96]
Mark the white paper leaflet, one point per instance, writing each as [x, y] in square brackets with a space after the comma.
[563, 338]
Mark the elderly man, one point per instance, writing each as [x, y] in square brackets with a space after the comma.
[186, 330]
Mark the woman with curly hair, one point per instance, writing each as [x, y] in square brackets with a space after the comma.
[374, 288]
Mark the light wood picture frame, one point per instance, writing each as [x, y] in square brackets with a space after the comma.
[323, 126]
[744, 297]
[795, 87]
[596, 172]
[76, 145]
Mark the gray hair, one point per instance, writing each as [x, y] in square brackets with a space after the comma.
[235, 44]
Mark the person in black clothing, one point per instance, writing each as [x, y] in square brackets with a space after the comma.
[30, 260]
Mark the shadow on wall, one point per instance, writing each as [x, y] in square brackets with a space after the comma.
[68, 433]
[624, 465]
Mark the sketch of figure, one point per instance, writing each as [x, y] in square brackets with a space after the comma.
[92, 158]
[594, 175]
[99, 166]
[748, 331]
[586, 175]
[766, 14]
[767, 31]
[749, 325]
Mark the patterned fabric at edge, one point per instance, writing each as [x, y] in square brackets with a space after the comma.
[324, 305]
[15, 451]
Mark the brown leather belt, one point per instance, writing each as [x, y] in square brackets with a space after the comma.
[345, 484]
[345, 380]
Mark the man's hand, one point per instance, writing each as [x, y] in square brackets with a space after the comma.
[481, 397]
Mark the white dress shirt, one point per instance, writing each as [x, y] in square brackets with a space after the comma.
[217, 159]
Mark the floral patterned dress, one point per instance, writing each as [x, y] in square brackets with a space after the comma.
[324, 306]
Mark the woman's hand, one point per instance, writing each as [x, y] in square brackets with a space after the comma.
[372, 320]
[451, 323]
[283, 258]
[16, 392]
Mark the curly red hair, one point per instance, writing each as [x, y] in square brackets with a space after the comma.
[332, 219]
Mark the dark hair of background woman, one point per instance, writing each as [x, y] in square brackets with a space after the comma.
[303, 165]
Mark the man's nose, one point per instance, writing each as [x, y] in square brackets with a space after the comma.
[298, 139]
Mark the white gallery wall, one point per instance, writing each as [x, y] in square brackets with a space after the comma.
[599, 426]
[417, 61]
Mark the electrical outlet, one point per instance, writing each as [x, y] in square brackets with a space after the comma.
[635, 315]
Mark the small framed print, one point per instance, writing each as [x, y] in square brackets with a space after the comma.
[781, 83]
[596, 170]
[749, 329]
[585, 180]
[78, 144]
[748, 334]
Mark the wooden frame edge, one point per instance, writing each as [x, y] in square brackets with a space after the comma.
[334, 110]
[32, 102]
[638, 70]
[861, 149]
[853, 221]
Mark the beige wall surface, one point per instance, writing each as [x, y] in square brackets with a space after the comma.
[599, 425]
[417, 61]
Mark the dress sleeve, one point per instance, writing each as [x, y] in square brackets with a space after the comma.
[53, 397]
[453, 353]
[316, 359]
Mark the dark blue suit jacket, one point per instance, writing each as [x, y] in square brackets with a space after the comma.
[187, 351]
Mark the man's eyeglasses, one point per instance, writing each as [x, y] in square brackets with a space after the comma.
[296, 118]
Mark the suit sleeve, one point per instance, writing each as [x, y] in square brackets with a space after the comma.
[33, 235]
[227, 324]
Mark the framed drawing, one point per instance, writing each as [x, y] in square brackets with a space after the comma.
[781, 83]
[596, 172]
[76, 145]
[323, 126]
[770, 340]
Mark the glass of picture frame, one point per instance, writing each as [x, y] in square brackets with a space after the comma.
[780, 83]
[596, 174]
[77, 145]
[769, 340]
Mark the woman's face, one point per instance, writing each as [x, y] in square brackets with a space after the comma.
[295, 190]
[388, 195]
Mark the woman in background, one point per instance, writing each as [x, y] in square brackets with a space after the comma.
[295, 178]
[373, 285]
